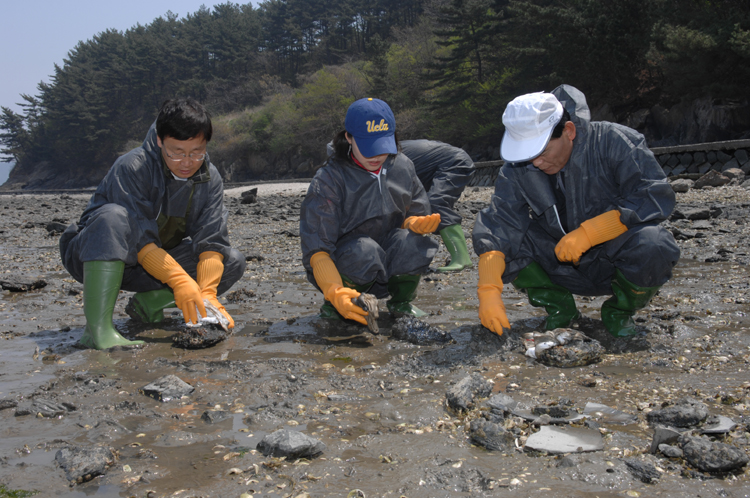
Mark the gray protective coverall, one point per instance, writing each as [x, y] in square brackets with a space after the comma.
[139, 202]
[444, 171]
[610, 168]
[356, 218]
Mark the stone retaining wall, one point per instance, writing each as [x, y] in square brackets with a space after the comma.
[679, 160]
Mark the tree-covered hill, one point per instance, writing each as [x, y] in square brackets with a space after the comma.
[278, 78]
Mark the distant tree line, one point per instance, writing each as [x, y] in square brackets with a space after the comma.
[278, 78]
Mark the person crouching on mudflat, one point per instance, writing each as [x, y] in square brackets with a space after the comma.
[157, 226]
[576, 210]
[363, 221]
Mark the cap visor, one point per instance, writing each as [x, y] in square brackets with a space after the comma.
[371, 147]
[516, 151]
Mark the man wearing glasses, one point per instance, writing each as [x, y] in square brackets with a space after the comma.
[157, 226]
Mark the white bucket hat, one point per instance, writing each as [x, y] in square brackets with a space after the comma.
[529, 121]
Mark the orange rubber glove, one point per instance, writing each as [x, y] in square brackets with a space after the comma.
[187, 294]
[329, 280]
[422, 224]
[209, 272]
[595, 231]
[489, 289]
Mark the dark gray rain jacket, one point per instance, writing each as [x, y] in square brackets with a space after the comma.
[610, 168]
[344, 201]
[140, 182]
[444, 171]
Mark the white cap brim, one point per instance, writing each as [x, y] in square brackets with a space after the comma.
[517, 151]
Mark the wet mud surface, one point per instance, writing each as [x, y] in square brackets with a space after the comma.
[377, 403]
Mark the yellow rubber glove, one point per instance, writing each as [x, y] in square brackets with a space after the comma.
[595, 231]
[422, 224]
[329, 280]
[209, 272]
[187, 294]
[489, 289]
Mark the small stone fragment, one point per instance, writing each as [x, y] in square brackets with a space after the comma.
[290, 444]
[8, 403]
[491, 436]
[663, 435]
[643, 471]
[167, 388]
[670, 451]
[21, 285]
[686, 412]
[42, 407]
[83, 464]
[461, 396]
[214, 417]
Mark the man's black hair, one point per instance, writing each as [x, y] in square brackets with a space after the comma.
[183, 119]
[341, 145]
[557, 131]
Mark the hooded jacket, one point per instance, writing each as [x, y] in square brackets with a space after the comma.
[344, 201]
[162, 206]
[610, 167]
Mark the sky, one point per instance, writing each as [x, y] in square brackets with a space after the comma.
[37, 34]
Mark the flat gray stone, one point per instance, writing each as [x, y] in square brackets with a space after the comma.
[733, 173]
[167, 388]
[83, 464]
[663, 435]
[681, 185]
[556, 440]
[290, 444]
[670, 451]
[608, 415]
[718, 424]
[491, 436]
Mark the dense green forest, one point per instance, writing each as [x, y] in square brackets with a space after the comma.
[278, 78]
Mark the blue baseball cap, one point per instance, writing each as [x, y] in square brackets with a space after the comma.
[371, 123]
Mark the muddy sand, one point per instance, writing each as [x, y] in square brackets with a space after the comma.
[375, 406]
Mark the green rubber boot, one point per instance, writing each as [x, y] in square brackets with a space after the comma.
[618, 310]
[149, 306]
[455, 242]
[556, 299]
[101, 284]
[403, 290]
[329, 311]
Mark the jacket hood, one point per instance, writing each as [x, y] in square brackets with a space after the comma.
[150, 145]
[573, 101]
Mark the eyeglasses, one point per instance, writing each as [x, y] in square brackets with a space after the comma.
[182, 157]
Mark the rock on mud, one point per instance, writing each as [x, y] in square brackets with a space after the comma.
[290, 444]
[643, 471]
[167, 388]
[83, 464]
[8, 403]
[44, 407]
[490, 435]
[204, 336]
[461, 396]
[686, 412]
[214, 417]
[410, 329]
[710, 456]
[22, 285]
[573, 350]
[557, 440]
